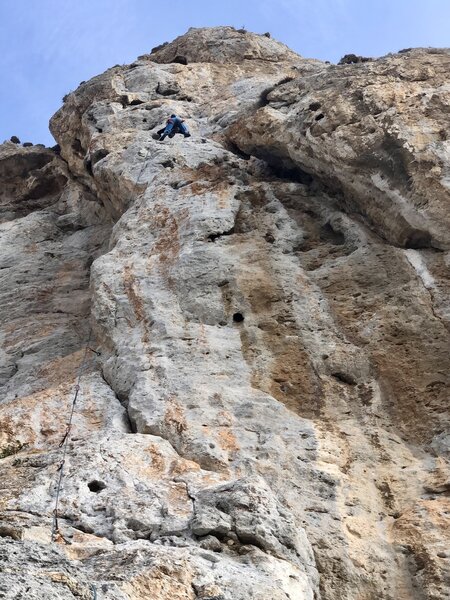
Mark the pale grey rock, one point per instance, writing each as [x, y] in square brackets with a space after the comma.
[222, 45]
[36, 571]
[266, 415]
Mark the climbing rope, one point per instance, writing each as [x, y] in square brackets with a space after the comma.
[64, 444]
[65, 440]
[56, 533]
[140, 173]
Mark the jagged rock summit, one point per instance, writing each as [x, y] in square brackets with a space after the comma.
[221, 45]
[257, 317]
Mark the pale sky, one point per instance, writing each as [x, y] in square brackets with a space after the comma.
[48, 46]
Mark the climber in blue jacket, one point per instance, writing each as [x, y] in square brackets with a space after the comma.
[174, 125]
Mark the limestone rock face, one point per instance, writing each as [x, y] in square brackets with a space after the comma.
[257, 320]
[379, 132]
[221, 45]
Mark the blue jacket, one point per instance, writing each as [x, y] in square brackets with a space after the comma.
[176, 122]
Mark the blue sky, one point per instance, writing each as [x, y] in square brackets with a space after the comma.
[48, 46]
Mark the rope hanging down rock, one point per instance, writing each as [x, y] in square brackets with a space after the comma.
[66, 438]
[140, 173]
[64, 444]
[65, 441]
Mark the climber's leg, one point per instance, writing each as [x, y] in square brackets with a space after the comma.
[158, 134]
[174, 131]
[166, 132]
[184, 130]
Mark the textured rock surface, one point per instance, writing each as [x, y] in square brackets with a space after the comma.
[379, 132]
[267, 415]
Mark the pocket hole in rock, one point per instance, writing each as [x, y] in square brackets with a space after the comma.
[238, 317]
[344, 378]
[96, 486]
[181, 60]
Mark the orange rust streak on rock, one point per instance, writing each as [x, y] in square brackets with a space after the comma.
[160, 583]
[227, 440]
[174, 417]
[133, 295]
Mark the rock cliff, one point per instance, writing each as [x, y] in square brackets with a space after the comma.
[257, 318]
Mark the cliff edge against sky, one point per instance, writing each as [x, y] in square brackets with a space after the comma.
[261, 315]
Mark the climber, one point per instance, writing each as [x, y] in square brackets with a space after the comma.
[174, 125]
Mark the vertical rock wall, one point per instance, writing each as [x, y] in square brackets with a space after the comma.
[265, 413]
